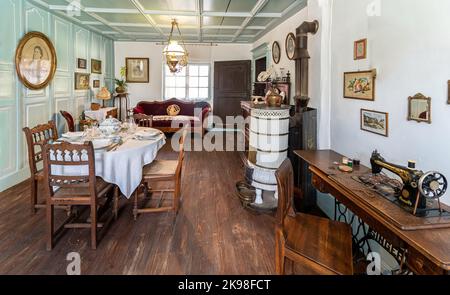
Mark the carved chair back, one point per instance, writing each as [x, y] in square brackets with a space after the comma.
[143, 120]
[58, 157]
[36, 138]
[285, 180]
[69, 119]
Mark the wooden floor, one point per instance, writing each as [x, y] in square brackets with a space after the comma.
[212, 234]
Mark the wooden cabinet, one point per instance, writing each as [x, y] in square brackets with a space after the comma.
[303, 136]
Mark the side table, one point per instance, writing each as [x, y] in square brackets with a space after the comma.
[121, 97]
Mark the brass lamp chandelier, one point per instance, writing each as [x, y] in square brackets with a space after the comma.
[176, 55]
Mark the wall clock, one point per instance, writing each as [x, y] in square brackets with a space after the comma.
[276, 52]
[290, 46]
[35, 60]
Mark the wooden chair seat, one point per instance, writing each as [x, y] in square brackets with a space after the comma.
[313, 245]
[159, 168]
[39, 175]
[162, 171]
[102, 187]
[322, 241]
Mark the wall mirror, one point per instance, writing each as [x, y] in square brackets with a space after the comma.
[419, 108]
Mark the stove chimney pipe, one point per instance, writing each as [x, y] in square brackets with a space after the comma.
[301, 58]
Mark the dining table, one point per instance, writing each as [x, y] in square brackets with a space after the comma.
[121, 162]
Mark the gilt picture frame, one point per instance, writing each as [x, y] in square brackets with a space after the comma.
[82, 81]
[36, 60]
[96, 66]
[375, 122]
[137, 69]
[419, 108]
[360, 85]
[360, 49]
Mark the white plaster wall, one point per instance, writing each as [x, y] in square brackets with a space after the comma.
[153, 90]
[409, 45]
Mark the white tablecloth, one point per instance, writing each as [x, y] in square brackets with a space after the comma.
[98, 115]
[122, 167]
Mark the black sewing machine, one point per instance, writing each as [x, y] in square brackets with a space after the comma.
[418, 187]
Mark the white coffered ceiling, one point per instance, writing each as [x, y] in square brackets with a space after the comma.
[218, 21]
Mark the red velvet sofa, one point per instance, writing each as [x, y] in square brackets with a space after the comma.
[193, 113]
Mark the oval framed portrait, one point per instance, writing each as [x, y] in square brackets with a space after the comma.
[276, 52]
[290, 46]
[35, 60]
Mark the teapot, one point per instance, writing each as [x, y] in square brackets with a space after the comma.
[274, 99]
[110, 126]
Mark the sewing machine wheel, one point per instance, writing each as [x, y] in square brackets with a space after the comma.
[433, 185]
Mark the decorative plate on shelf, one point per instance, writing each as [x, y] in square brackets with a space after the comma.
[290, 46]
[276, 52]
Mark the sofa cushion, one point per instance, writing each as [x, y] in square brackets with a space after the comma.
[175, 122]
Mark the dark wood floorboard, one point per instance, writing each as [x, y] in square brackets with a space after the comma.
[212, 234]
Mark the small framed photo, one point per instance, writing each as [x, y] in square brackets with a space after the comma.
[276, 52]
[82, 81]
[360, 51]
[375, 122]
[82, 63]
[290, 46]
[96, 66]
[360, 85]
[138, 70]
[448, 89]
[96, 84]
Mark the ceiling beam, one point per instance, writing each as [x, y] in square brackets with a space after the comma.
[288, 12]
[170, 12]
[200, 20]
[141, 9]
[258, 6]
[96, 17]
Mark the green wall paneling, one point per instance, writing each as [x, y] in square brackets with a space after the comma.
[20, 106]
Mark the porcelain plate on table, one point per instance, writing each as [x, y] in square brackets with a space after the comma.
[73, 135]
[147, 134]
[100, 144]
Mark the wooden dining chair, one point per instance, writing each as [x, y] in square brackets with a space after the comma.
[84, 190]
[162, 171]
[69, 119]
[314, 245]
[143, 120]
[36, 138]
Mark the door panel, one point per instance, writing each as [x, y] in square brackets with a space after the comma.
[231, 86]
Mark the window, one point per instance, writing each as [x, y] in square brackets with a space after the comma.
[192, 83]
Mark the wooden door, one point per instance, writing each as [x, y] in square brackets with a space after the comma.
[231, 86]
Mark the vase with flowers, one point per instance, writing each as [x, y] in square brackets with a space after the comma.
[121, 83]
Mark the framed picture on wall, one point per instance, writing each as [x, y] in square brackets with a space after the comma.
[448, 89]
[96, 84]
[82, 63]
[360, 51]
[96, 66]
[290, 46]
[82, 81]
[138, 70]
[360, 85]
[276, 52]
[375, 122]
[419, 108]
[35, 60]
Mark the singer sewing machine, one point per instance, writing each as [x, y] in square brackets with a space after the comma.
[418, 187]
